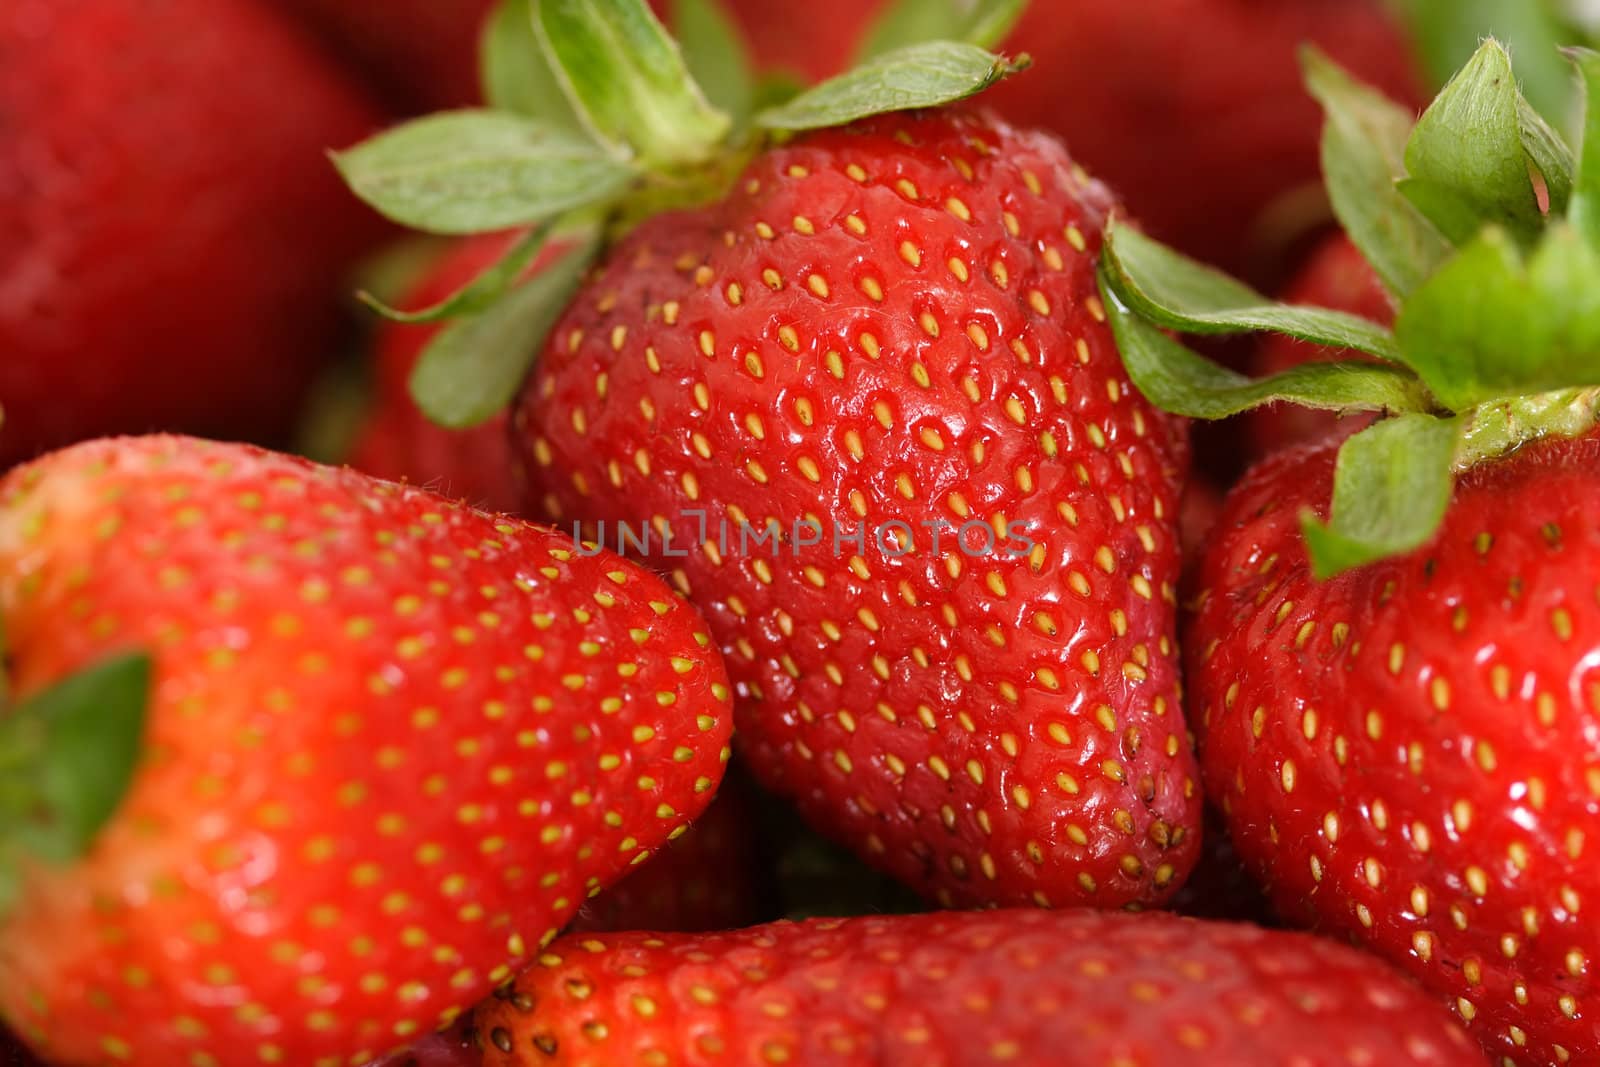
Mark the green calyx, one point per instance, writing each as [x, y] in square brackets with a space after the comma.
[1484, 227]
[596, 119]
[67, 758]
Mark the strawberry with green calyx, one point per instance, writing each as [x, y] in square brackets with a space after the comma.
[390, 745]
[1397, 703]
[850, 318]
[967, 990]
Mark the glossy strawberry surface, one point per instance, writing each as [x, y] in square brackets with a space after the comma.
[393, 744]
[1409, 754]
[175, 240]
[892, 331]
[963, 990]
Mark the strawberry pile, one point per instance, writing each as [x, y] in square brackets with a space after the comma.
[769, 604]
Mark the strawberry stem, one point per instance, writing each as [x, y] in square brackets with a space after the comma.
[1495, 428]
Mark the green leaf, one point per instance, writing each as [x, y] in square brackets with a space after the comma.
[715, 53]
[1391, 488]
[985, 23]
[1176, 379]
[1467, 161]
[1492, 324]
[1363, 155]
[516, 75]
[465, 172]
[924, 75]
[471, 371]
[1584, 211]
[69, 755]
[628, 81]
[1174, 291]
[482, 291]
[1447, 32]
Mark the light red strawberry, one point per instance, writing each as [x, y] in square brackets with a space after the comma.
[392, 743]
[398, 441]
[175, 239]
[897, 322]
[1336, 276]
[1024, 987]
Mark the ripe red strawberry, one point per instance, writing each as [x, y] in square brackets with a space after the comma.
[707, 879]
[1407, 753]
[421, 53]
[967, 989]
[897, 323]
[174, 237]
[1336, 276]
[398, 441]
[391, 745]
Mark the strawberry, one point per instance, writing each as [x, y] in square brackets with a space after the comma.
[391, 744]
[421, 53]
[965, 988]
[458, 1046]
[900, 326]
[1392, 661]
[398, 441]
[878, 332]
[1336, 276]
[708, 879]
[174, 241]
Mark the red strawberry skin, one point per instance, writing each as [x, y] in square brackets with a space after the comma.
[1408, 754]
[1336, 276]
[423, 54]
[708, 879]
[962, 989]
[399, 442]
[393, 744]
[897, 322]
[175, 237]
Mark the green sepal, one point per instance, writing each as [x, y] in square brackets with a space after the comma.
[515, 73]
[1469, 157]
[1447, 32]
[462, 172]
[472, 370]
[1171, 290]
[918, 76]
[1494, 323]
[68, 756]
[1179, 380]
[1363, 156]
[1584, 211]
[985, 23]
[477, 294]
[627, 80]
[1391, 487]
[715, 53]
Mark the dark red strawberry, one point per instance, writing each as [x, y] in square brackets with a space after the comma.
[422, 53]
[1023, 987]
[897, 323]
[398, 441]
[458, 1046]
[1394, 658]
[12, 1054]
[1336, 276]
[709, 878]
[392, 743]
[174, 238]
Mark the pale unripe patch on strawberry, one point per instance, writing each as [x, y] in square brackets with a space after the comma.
[360, 805]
